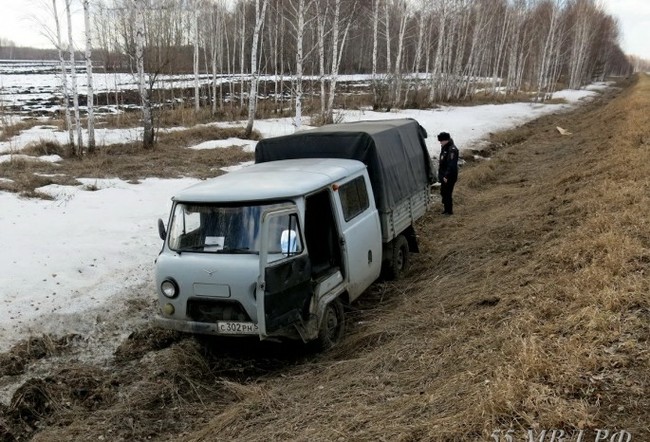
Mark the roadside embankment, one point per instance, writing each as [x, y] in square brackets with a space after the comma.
[528, 310]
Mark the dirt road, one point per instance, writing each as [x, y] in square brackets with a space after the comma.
[527, 311]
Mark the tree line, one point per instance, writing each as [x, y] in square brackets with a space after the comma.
[415, 52]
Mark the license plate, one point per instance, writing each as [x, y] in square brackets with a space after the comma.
[237, 328]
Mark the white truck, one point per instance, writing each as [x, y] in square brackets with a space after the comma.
[277, 248]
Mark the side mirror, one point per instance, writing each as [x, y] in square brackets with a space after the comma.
[161, 229]
[288, 242]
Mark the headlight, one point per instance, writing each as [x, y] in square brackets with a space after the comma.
[169, 288]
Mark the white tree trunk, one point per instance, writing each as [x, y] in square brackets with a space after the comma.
[242, 60]
[516, 49]
[197, 89]
[214, 25]
[546, 65]
[418, 56]
[276, 34]
[387, 31]
[500, 49]
[437, 68]
[337, 52]
[73, 76]
[322, 16]
[580, 46]
[260, 12]
[147, 139]
[300, 31]
[375, 45]
[398, 59]
[64, 76]
[90, 94]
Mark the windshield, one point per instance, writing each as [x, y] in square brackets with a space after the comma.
[230, 229]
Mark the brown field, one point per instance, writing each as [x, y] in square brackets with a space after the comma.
[529, 309]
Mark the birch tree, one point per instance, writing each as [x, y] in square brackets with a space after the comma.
[90, 93]
[583, 35]
[418, 51]
[260, 12]
[549, 52]
[503, 24]
[195, 58]
[337, 51]
[517, 49]
[321, 18]
[64, 76]
[73, 77]
[242, 58]
[389, 67]
[274, 37]
[298, 27]
[443, 15]
[375, 49]
[147, 118]
[396, 93]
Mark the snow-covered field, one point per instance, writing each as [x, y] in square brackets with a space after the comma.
[85, 252]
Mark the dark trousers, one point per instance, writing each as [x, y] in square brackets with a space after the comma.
[446, 189]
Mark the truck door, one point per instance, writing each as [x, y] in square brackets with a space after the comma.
[361, 234]
[284, 287]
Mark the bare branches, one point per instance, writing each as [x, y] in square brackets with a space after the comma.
[418, 52]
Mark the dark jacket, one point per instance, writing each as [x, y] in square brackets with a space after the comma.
[448, 162]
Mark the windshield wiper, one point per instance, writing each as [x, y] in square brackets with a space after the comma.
[236, 250]
[209, 248]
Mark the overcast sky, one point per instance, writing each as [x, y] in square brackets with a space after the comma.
[19, 22]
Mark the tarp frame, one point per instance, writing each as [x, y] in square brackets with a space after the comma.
[394, 151]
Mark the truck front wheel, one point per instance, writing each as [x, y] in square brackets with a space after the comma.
[332, 325]
[399, 260]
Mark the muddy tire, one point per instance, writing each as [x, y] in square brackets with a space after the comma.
[332, 326]
[399, 261]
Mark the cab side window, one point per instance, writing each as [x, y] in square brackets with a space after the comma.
[284, 235]
[354, 198]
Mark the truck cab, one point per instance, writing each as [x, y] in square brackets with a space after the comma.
[271, 250]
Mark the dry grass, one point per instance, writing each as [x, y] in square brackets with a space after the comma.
[8, 131]
[46, 147]
[170, 158]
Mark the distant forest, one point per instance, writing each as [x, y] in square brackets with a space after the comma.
[12, 52]
[416, 52]
[515, 39]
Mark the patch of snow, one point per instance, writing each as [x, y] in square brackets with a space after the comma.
[74, 253]
[44, 158]
[574, 96]
[247, 145]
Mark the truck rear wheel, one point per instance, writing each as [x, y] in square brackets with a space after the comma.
[332, 325]
[399, 260]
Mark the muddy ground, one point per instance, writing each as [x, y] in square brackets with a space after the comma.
[527, 311]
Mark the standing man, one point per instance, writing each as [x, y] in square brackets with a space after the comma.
[447, 170]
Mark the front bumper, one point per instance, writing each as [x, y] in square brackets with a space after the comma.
[210, 328]
[204, 328]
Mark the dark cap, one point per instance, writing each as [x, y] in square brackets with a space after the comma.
[444, 136]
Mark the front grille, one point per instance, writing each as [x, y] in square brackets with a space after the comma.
[212, 310]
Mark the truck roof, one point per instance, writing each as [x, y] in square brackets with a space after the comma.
[272, 180]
